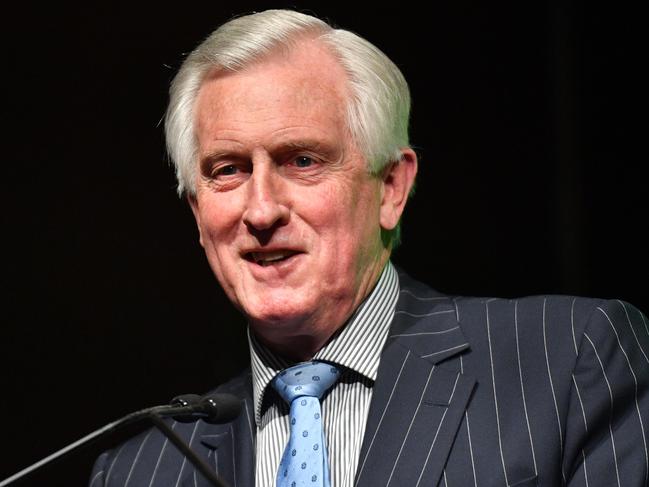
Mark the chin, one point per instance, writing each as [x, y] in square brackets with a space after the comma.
[274, 316]
[277, 308]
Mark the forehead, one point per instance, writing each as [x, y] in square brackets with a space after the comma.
[305, 85]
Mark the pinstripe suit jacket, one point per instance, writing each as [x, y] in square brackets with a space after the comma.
[539, 391]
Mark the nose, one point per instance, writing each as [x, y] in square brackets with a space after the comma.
[265, 206]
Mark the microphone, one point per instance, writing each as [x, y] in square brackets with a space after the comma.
[213, 409]
[185, 400]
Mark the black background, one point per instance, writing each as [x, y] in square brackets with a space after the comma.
[529, 119]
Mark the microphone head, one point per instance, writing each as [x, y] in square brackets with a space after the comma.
[186, 401]
[213, 409]
[220, 408]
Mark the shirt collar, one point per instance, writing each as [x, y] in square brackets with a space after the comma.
[356, 346]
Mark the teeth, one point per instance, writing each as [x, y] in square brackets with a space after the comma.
[266, 258]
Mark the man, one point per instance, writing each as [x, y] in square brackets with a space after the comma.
[290, 142]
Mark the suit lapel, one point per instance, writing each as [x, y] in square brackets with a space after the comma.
[417, 404]
[229, 449]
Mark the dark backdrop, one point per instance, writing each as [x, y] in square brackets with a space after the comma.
[526, 116]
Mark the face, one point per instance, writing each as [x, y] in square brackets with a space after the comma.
[288, 215]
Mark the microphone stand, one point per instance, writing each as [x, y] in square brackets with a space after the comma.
[187, 451]
[155, 415]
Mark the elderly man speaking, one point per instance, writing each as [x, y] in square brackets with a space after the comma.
[290, 140]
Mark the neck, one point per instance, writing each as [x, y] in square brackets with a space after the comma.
[296, 349]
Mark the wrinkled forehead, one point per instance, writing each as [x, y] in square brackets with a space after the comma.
[295, 100]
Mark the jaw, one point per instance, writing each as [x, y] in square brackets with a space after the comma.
[298, 328]
[301, 305]
[297, 295]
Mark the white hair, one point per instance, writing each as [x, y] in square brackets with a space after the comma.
[377, 112]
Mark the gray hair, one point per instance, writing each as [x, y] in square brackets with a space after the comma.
[377, 112]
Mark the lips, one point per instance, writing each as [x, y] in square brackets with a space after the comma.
[271, 257]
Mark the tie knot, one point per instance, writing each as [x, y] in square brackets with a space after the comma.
[306, 379]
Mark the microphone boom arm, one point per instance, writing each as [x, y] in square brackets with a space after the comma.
[155, 414]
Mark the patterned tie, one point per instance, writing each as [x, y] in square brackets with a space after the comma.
[304, 462]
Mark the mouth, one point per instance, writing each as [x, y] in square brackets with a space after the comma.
[270, 258]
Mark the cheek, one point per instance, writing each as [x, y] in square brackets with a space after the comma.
[218, 216]
[346, 220]
[218, 228]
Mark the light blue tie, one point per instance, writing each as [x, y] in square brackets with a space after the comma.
[304, 463]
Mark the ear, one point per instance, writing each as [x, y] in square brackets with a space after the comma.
[193, 204]
[398, 179]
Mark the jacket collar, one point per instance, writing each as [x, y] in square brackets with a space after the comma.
[418, 400]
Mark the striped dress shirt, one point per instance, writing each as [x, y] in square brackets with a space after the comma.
[356, 349]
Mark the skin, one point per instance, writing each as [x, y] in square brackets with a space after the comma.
[280, 176]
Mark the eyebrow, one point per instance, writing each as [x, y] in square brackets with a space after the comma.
[304, 144]
[324, 148]
[214, 156]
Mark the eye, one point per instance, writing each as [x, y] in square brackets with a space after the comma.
[228, 170]
[303, 161]
[225, 170]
